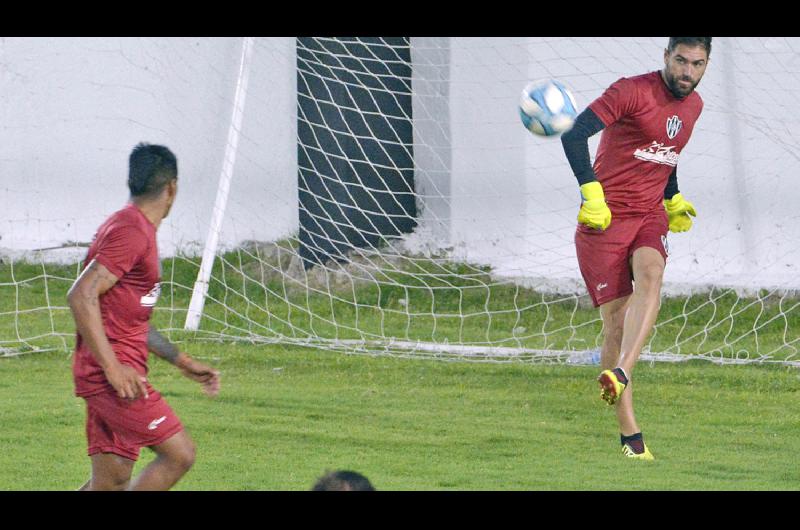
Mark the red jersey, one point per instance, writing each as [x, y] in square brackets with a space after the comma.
[126, 245]
[646, 130]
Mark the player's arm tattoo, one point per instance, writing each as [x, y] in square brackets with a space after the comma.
[158, 344]
[92, 283]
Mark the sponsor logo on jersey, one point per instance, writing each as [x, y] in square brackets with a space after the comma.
[150, 299]
[674, 126]
[658, 153]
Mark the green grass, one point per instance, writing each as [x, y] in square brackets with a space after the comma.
[287, 414]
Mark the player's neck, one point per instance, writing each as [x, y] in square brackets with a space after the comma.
[154, 211]
[666, 83]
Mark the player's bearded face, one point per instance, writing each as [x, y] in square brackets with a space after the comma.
[683, 68]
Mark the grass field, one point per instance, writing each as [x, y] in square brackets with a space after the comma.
[287, 414]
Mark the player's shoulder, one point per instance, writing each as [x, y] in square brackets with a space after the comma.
[128, 219]
[693, 104]
[645, 80]
[641, 82]
[696, 99]
[129, 214]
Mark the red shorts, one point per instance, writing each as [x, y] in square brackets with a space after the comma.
[123, 427]
[604, 256]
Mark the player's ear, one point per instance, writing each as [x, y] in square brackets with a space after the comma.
[172, 186]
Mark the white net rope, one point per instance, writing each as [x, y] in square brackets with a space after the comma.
[385, 198]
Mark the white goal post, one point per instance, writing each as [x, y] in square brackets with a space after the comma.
[229, 161]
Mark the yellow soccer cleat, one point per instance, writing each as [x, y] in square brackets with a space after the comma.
[612, 384]
[628, 451]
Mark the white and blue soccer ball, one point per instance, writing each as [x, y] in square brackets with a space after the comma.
[548, 108]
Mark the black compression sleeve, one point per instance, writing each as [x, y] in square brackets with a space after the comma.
[672, 184]
[576, 145]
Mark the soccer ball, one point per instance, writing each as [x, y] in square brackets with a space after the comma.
[547, 109]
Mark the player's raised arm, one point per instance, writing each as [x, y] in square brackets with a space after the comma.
[197, 371]
[594, 211]
[84, 301]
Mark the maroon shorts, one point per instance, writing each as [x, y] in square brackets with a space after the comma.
[604, 256]
[123, 427]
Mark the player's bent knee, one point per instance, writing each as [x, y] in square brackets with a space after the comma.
[178, 452]
[649, 277]
[187, 457]
[184, 455]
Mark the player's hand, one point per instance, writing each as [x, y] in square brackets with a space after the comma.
[678, 211]
[197, 371]
[594, 211]
[128, 383]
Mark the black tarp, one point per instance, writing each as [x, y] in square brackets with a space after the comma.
[354, 152]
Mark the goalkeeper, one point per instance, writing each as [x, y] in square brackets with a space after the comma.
[630, 200]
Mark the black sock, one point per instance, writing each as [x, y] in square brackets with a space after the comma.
[635, 441]
[621, 375]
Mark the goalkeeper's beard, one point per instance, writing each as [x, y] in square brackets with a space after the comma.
[677, 90]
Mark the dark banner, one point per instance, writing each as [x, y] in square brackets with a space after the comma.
[354, 151]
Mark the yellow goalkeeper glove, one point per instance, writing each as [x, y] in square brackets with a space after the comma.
[594, 211]
[678, 211]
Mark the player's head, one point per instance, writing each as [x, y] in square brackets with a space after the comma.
[343, 481]
[153, 173]
[685, 61]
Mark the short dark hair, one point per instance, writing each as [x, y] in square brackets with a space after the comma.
[150, 168]
[343, 481]
[705, 42]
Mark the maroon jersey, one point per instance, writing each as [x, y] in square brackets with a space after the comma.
[126, 245]
[646, 130]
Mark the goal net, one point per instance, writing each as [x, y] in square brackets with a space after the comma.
[380, 196]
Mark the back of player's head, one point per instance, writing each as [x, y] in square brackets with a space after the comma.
[150, 169]
[343, 481]
[705, 42]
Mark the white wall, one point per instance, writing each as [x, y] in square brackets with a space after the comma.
[73, 108]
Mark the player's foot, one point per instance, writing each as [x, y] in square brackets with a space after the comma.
[629, 451]
[612, 384]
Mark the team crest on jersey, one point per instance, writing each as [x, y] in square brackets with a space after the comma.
[674, 126]
[150, 299]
